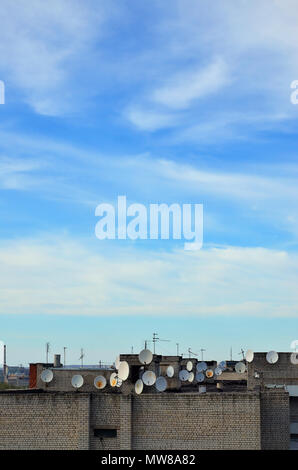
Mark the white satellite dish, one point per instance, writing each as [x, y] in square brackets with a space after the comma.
[294, 358]
[249, 356]
[77, 381]
[47, 376]
[139, 387]
[189, 366]
[209, 373]
[149, 377]
[100, 382]
[170, 371]
[218, 371]
[117, 362]
[200, 377]
[222, 365]
[123, 370]
[191, 377]
[240, 368]
[272, 357]
[113, 379]
[183, 375]
[145, 356]
[161, 384]
[201, 366]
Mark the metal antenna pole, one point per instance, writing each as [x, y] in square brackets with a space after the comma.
[156, 338]
[81, 357]
[64, 355]
[202, 353]
[177, 344]
[154, 341]
[47, 352]
[5, 374]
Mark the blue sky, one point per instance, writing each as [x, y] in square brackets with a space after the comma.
[161, 101]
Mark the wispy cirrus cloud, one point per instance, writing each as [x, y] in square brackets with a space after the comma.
[254, 62]
[145, 119]
[180, 91]
[43, 47]
[62, 275]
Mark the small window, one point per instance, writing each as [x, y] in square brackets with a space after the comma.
[105, 432]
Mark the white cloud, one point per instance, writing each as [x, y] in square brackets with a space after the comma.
[255, 53]
[42, 45]
[145, 119]
[64, 276]
[233, 185]
[180, 91]
[17, 174]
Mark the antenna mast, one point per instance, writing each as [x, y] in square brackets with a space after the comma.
[82, 357]
[242, 352]
[5, 368]
[47, 352]
[64, 355]
[202, 353]
[155, 339]
[191, 352]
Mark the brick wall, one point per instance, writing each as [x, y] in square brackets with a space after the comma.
[193, 421]
[44, 421]
[275, 422]
[67, 420]
[105, 413]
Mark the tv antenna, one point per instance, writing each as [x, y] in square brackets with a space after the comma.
[82, 357]
[155, 339]
[202, 353]
[191, 352]
[177, 344]
[47, 352]
[242, 352]
[64, 355]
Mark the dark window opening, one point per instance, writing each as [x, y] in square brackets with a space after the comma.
[134, 373]
[105, 432]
